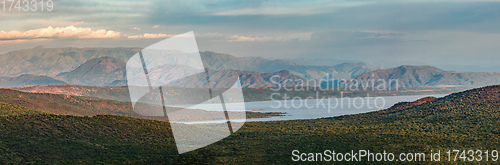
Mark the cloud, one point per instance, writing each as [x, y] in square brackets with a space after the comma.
[135, 28]
[271, 8]
[149, 36]
[59, 32]
[156, 26]
[77, 23]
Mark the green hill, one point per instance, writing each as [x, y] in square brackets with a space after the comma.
[28, 80]
[65, 104]
[465, 120]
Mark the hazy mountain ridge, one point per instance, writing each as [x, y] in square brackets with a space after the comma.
[419, 76]
[53, 61]
[224, 61]
[106, 66]
[26, 79]
[226, 78]
[73, 65]
[319, 61]
[96, 72]
[248, 79]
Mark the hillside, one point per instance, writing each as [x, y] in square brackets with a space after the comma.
[109, 93]
[225, 78]
[25, 79]
[96, 72]
[54, 61]
[89, 106]
[428, 76]
[220, 61]
[65, 104]
[465, 120]
[251, 94]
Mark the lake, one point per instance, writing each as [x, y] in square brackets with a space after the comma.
[320, 108]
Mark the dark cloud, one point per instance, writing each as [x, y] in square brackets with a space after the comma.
[383, 32]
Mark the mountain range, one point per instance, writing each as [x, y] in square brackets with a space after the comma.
[107, 67]
[96, 72]
[26, 79]
[85, 66]
[53, 61]
[220, 61]
[428, 76]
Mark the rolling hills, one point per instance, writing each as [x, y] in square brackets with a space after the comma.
[54, 61]
[109, 93]
[464, 120]
[25, 79]
[420, 76]
[106, 67]
[223, 78]
[96, 72]
[90, 106]
[220, 61]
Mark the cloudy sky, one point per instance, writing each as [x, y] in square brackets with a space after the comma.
[454, 35]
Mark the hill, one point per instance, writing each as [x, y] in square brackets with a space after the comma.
[89, 106]
[220, 61]
[467, 121]
[251, 94]
[96, 72]
[54, 61]
[65, 104]
[25, 79]
[428, 76]
[110, 93]
[226, 78]
[109, 72]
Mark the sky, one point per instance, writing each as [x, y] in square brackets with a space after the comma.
[453, 35]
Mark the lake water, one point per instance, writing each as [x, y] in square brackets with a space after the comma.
[320, 108]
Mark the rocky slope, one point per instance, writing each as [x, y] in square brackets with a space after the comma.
[26, 79]
[428, 76]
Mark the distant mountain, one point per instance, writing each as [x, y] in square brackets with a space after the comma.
[220, 61]
[319, 61]
[223, 78]
[106, 66]
[26, 79]
[53, 61]
[420, 76]
[96, 72]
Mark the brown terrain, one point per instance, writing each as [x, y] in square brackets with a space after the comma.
[89, 106]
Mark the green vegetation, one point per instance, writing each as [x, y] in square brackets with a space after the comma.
[251, 94]
[86, 106]
[465, 120]
[264, 94]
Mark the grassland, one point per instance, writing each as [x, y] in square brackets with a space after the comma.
[465, 120]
